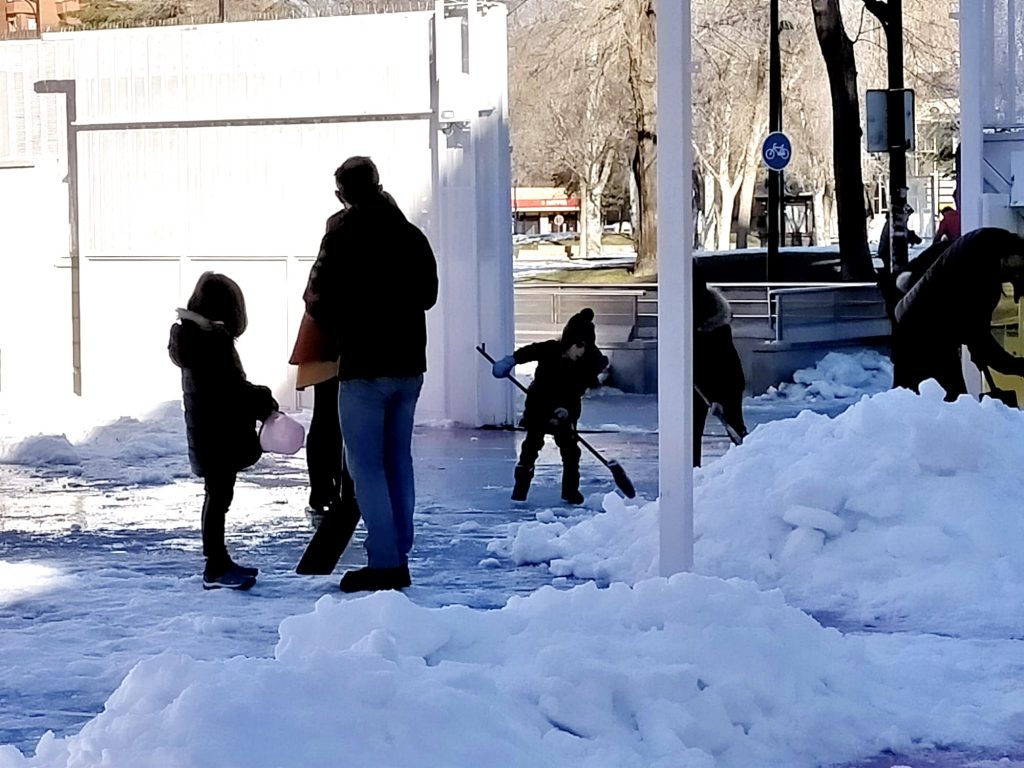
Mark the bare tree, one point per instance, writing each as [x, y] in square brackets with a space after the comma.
[638, 22]
[575, 111]
[730, 104]
[841, 66]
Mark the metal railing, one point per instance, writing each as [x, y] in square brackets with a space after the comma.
[769, 311]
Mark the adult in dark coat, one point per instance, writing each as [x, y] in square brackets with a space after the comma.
[717, 370]
[374, 259]
[951, 306]
[885, 245]
[221, 411]
[894, 287]
[566, 368]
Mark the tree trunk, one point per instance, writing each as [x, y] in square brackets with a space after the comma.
[728, 189]
[746, 204]
[837, 50]
[820, 231]
[643, 83]
[593, 247]
[752, 167]
[830, 211]
[584, 224]
[707, 243]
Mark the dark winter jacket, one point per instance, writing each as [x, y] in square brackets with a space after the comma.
[952, 303]
[221, 406]
[558, 381]
[717, 370]
[370, 288]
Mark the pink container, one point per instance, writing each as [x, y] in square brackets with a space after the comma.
[281, 434]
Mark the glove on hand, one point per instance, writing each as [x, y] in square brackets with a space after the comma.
[559, 418]
[502, 368]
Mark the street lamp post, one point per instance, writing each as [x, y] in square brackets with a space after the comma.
[895, 111]
[776, 184]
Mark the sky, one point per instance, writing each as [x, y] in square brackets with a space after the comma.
[857, 588]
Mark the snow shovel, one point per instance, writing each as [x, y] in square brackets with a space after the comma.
[715, 409]
[618, 473]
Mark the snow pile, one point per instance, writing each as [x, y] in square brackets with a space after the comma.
[84, 440]
[690, 671]
[836, 376]
[903, 510]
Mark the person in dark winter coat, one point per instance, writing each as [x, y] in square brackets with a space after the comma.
[317, 361]
[895, 286]
[885, 245]
[221, 411]
[717, 371]
[375, 254]
[951, 306]
[566, 368]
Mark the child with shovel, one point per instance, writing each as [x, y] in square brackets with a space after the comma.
[566, 368]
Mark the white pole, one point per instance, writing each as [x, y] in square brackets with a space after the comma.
[675, 268]
[974, 92]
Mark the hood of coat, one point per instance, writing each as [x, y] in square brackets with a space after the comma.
[193, 336]
[720, 312]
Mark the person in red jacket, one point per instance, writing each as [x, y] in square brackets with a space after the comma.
[949, 227]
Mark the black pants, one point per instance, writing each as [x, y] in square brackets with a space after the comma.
[324, 447]
[220, 490]
[564, 439]
[732, 412]
[918, 359]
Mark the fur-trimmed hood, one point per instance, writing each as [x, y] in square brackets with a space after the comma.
[195, 337]
[204, 323]
[722, 313]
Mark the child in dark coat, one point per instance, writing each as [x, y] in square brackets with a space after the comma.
[717, 371]
[221, 411]
[566, 368]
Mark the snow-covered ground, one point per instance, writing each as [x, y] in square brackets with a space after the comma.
[858, 588]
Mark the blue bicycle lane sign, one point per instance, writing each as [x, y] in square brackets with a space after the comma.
[777, 150]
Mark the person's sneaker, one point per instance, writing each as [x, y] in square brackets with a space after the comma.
[232, 578]
[247, 570]
[374, 579]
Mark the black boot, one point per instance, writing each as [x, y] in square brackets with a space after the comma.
[571, 485]
[524, 476]
[373, 579]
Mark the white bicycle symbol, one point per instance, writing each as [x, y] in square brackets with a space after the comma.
[780, 151]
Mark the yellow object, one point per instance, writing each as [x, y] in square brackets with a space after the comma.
[315, 372]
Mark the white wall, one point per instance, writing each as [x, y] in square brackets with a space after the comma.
[161, 204]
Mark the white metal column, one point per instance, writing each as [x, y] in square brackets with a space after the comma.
[972, 95]
[675, 268]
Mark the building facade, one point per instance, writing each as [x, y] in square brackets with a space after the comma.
[23, 17]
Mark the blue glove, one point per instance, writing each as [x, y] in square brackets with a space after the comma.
[502, 368]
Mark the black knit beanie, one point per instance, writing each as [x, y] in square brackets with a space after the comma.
[579, 329]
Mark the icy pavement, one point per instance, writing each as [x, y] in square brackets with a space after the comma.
[138, 550]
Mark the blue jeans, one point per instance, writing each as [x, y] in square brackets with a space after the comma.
[376, 421]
